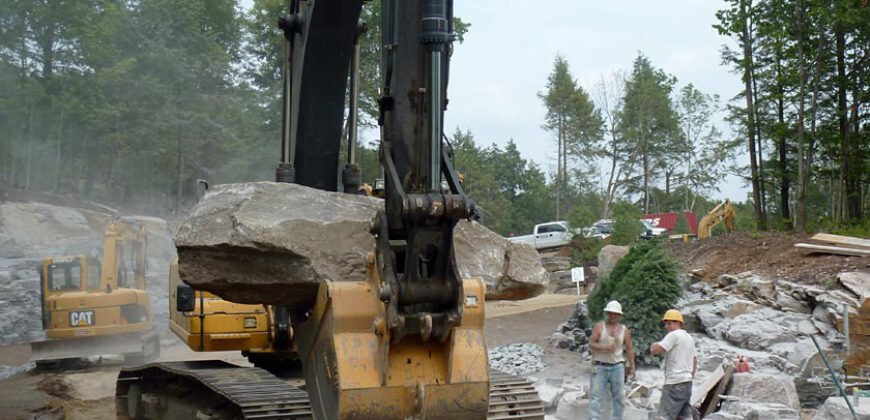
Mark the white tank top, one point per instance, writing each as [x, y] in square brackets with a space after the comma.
[614, 356]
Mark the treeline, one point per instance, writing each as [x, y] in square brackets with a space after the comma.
[132, 102]
[802, 114]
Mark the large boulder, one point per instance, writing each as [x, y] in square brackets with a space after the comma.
[835, 408]
[274, 243]
[764, 327]
[511, 271]
[764, 388]
[608, 257]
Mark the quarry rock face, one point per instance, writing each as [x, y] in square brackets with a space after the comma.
[273, 243]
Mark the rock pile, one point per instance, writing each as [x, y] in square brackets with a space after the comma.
[574, 333]
[517, 359]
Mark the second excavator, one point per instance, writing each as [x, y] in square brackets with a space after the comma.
[409, 341]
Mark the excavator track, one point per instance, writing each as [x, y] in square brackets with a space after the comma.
[218, 390]
[512, 397]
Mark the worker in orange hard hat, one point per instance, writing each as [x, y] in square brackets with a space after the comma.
[681, 362]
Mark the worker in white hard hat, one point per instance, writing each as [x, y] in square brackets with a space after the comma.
[681, 362]
[609, 341]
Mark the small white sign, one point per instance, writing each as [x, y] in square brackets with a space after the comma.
[578, 277]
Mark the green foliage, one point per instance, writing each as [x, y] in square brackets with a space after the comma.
[626, 224]
[682, 225]
[576, 123]
[650, 124]
[645, 283]
[580, 217]
[584, 250]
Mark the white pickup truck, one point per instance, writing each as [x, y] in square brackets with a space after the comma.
[547, 235]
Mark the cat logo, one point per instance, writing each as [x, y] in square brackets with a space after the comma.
[81, 318]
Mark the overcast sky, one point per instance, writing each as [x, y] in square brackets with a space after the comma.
[508, 53]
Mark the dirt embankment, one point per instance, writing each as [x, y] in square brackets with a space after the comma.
[766, 254]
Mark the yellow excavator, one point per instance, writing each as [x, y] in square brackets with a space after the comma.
[406, 343]
[94, 307]
[260, 332]
[724, 212]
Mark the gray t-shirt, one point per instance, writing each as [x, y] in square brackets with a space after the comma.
[680, 356]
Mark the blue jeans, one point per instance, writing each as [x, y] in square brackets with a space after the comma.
[607, 377]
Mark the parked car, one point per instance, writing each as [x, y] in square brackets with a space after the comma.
[600, 229]
[650, 231]
[548, 235]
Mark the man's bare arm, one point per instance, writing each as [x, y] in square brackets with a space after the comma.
[656, 348]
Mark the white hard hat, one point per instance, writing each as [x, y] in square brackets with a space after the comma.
[613, 306]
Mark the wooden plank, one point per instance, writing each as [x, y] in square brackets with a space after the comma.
[834, 249]
[711, 402]
[841, 240]
[699, 393]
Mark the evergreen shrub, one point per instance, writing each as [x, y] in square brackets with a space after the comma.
[645, 283]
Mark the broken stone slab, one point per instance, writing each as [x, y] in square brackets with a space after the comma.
[556, 263]
[273, 243]
[857, 282]
[749, 410]
[561, 280]
[550, 391]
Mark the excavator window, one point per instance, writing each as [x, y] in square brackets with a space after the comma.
[65, 276]
[93, 274]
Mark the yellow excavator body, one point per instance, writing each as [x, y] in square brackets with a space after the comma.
[93, 307]
[216, 324]
[724, 212]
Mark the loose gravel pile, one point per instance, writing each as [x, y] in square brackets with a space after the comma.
[517, 359]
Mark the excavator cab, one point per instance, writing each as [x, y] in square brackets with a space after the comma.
[92, 309]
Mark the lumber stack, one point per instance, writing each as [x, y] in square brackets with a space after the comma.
[837, 244]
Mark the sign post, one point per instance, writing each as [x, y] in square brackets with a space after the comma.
[577, 277]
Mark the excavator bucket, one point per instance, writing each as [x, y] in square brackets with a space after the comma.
[354, 370]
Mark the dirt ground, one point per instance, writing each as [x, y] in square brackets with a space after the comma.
[767, 254]
[88, 393]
